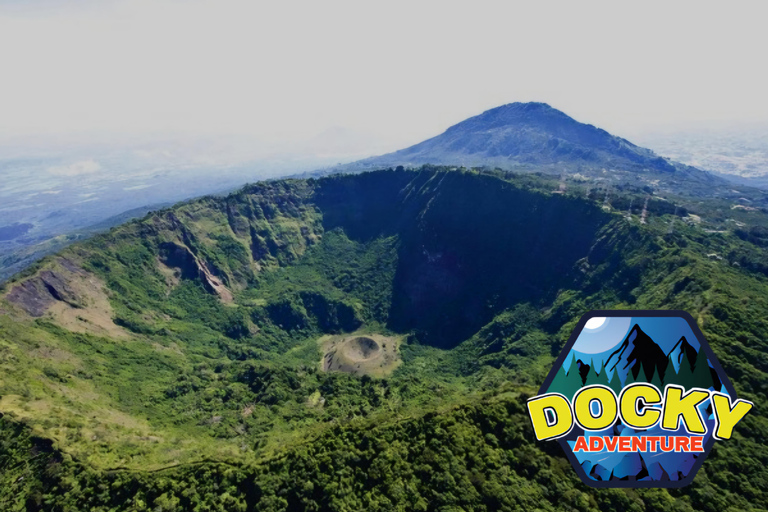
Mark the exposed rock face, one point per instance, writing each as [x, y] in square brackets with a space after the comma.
[38, 294]
[58, 287]
[181, 258]
[70, 265]
[32, 296]
[191, 267]
[68, 296]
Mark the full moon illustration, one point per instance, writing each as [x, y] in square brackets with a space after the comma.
[602, 333]
[595, 322]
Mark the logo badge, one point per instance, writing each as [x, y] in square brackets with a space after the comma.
[636, 399]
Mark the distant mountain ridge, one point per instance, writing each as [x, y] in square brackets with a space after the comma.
[533, 133]
[533, 136]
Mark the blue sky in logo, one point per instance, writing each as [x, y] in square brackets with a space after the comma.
[601, 336]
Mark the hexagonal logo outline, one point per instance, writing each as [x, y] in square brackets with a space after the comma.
[713, 363]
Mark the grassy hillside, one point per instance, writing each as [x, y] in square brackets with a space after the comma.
[176, 361]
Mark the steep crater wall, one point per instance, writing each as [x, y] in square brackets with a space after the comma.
[470, 245]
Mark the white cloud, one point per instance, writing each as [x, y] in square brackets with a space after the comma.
[76, 169]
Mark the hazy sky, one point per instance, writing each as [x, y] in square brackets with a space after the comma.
[394, 72]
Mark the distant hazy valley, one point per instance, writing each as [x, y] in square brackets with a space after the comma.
[69, 194]
[740, 154]
[51, 197]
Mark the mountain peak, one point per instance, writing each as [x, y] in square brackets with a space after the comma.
[519, 108]
[527, 134]
[529, 107]
[535, 136]
[513, 114]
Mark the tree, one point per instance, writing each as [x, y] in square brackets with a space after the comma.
[702, 377]
[656, 379]
[593, 377]
[615, 382]
[566, 382]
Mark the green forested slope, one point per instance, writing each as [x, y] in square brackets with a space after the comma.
[174, 362]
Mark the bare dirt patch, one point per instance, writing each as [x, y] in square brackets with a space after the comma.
[361, 354]
[70, 297]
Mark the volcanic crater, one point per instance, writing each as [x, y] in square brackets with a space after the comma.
[369, 354]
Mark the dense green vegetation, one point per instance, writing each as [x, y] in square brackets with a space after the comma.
[209, 395]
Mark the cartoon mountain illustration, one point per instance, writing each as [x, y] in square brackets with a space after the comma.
[639, 359]
[638, 351]
[688, 362]
[683, 351]
[583, 370]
